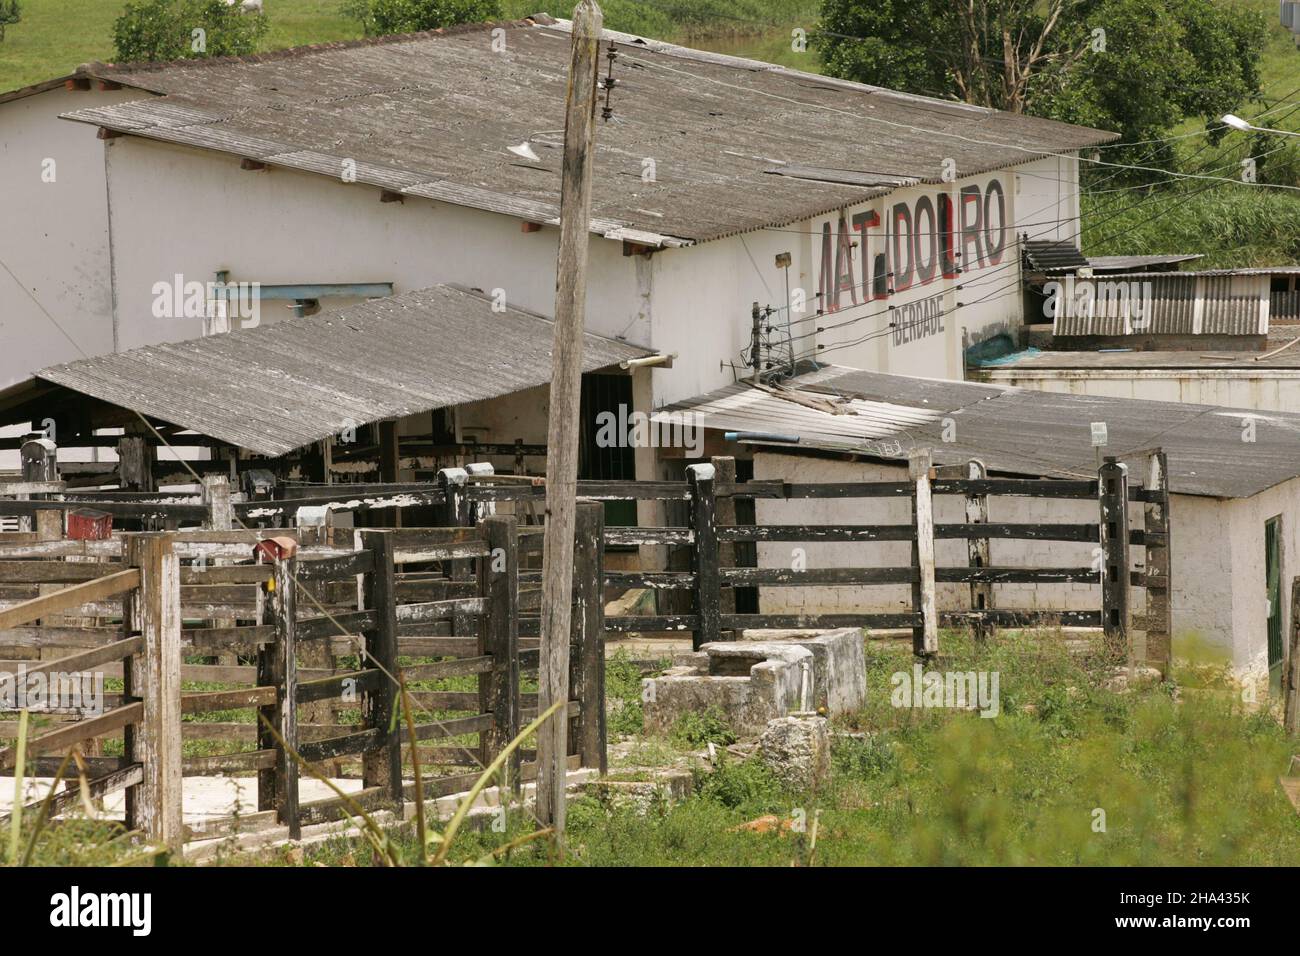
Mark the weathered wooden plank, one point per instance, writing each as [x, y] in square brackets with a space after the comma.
[337, 568]
[587, 677]
[870, 620]
[662, 622]
[228, 763]
[704, 555]
[382, 765]
[459, 668]
[452, 727]
[204, 702]
[498, 638]
[1113, 501]
[67, 735]
[69, 598]
[338, 685]
[76, 663]
[925, 636]
[154, 677]
[438, 610]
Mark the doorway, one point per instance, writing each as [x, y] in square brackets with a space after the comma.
[1273, 582]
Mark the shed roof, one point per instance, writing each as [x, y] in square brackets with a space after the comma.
[737, 145]
[278, 387]
[1014, 430]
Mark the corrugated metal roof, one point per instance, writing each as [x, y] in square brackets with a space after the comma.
[1048, 255]
[1027, 432]
[278, 387]
[1158, 303]
[1127, 263]
[432, 114]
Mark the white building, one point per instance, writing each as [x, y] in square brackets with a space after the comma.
[720, 183]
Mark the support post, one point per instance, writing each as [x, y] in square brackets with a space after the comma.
[1159, 609]
[153, 611]
[724, 473]
[499, 638]
[1112, 491]
[925, 636]
[457, 512]
[588, 664]
[283, 606]
[1291, 667]
[382, 766]
[565, 394]
[978, 551]
[135, 458]
[704, 554]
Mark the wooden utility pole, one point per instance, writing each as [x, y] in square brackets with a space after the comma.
[562, 430]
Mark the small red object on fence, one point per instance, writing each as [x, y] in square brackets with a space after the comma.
[281, 546]
[86, 524]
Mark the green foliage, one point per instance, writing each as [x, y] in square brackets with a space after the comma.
[701, 728]
[623, 695]
[9, 13]
[169, 30]
[741, 785]
[381, 17]
[1154, 63]
[1231, 225]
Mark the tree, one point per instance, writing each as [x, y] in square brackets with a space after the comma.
[380, 17]
[1138, 67]
[185, 29]
[9, 13]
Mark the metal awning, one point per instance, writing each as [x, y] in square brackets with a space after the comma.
[278, 387]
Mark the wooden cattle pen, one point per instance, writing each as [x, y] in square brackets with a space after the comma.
[318, 625]
[308, 624]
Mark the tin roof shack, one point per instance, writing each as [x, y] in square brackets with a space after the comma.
[385, 391]
[719, 182]
[1234, 476]
[1148, 303]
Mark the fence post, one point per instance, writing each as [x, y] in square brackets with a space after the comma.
[382, 766]
[704, 524]
[925, 636]
[979, 551]
[1291, 667]
[283, 607]
[724, 473]
[1112, 492]
[498, 691]
[456, 513]
[1159, 609]
[587, 663]
[154, 806]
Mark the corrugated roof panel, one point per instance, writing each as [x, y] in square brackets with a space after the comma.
[1022, 431]
[278, 387]
[439, 110]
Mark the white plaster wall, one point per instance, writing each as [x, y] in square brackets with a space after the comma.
[55, 235]
[1217, 561]
[949, 509]
[1263, 389]
[283, 226]
[192, 212]
[1250, 601]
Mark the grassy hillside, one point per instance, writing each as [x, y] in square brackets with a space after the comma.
[57, 35]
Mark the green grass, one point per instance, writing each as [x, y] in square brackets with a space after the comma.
[55, 36]
[1181, 782]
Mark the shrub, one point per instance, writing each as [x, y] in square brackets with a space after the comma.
[380, 17]
[185, 29]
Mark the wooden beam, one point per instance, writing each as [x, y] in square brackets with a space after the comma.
[72, 597]
[925, 637]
